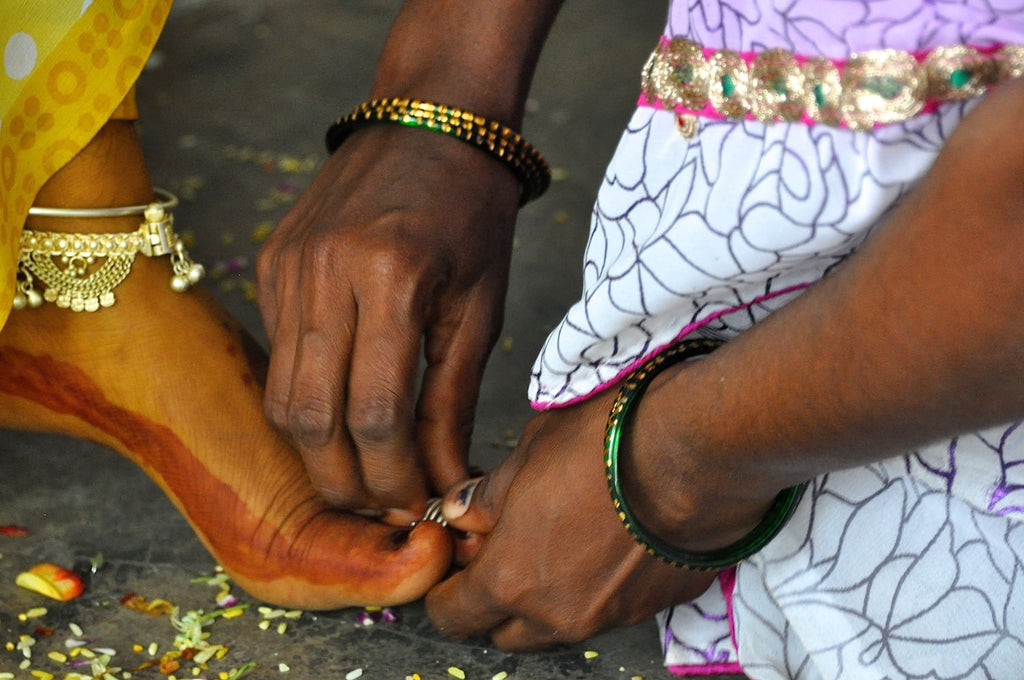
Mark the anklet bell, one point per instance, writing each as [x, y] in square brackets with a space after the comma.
[66, 263]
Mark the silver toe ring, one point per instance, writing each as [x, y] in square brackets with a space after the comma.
[433, 513]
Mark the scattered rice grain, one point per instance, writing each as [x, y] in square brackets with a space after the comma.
[590, 654]
[457, 672]
[352, 675]
[500, 676]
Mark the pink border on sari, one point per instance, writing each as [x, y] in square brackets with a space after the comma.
[686, 330]
[727, 582]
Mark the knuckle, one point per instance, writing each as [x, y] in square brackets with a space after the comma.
[508, 589]
[373, 419]
[571, 630]
[389, 268]
[311, 421]
[276, 410]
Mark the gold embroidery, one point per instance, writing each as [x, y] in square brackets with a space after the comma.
[729, 84]
[875, 87]
[881, 87]
[776, 87]
[822, 91]
[681, 77]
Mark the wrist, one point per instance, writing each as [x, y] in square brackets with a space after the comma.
[678, 488]
[679, 500]
[479, 56]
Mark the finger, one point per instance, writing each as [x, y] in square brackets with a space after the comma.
[458, 510]
[379, 412]
[521, 635]
[476, 504]
[456, 359]
[267, 302]
[461, 607]
[283, 344]
[315, 423]
[466, 547]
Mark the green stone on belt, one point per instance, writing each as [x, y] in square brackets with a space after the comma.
[819, 95]
[885, 87]
[728, 86]
[960, 77]
[683, 74]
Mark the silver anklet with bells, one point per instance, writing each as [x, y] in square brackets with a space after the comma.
[66, 263]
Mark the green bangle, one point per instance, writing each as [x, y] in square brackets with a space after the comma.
[778, 514]
[490, 136]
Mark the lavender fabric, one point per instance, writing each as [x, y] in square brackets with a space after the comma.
[909, 568]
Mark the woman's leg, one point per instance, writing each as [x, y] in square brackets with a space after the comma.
[169, 380]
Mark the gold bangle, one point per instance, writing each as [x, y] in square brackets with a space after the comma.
[498, 140]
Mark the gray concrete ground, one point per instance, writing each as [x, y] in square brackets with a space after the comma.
[235, 103]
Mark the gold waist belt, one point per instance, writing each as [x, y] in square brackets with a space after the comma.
[867, 89]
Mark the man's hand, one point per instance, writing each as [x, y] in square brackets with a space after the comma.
[398, 251]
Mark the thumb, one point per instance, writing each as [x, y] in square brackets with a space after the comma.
[475, 505]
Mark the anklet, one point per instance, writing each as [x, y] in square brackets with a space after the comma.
[70, 284]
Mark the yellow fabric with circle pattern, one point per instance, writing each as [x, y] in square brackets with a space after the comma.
[66, 67]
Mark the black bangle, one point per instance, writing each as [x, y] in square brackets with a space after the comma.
[778, 514]
[500, 141]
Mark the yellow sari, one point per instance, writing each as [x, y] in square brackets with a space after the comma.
[67, 66]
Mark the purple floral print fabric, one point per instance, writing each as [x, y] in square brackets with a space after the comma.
[910, 568]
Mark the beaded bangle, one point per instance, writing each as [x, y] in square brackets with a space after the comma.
[498, 140]
[778, 514]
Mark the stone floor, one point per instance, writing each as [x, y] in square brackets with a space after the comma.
[235, 102]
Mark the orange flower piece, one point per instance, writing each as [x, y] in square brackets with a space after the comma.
[51, 580]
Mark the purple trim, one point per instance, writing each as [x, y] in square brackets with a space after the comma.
[689, 328]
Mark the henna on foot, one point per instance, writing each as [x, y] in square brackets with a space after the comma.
[170, 381]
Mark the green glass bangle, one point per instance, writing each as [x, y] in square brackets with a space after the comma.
[636, 383]
[499, 141]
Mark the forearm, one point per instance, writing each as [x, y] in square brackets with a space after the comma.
[917, 337]
[477, 54]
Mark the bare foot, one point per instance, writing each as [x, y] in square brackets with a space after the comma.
[170, 381]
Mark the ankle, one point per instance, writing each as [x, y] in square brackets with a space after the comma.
[109, 172]
[90, 221]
